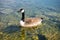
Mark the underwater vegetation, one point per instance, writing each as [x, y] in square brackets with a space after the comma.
[48, 30]
[10, 28]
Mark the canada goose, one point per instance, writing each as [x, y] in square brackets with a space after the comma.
[29, 22]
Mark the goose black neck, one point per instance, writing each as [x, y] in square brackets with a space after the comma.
[23, 16]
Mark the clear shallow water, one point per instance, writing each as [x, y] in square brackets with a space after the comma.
[15, 4]
[49, 10]
[31, 6]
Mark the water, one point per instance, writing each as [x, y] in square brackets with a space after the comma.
[15, 4]
[49, 10]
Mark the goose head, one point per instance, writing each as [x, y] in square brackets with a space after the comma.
[21, 10]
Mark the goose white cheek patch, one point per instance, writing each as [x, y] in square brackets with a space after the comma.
[22, 11]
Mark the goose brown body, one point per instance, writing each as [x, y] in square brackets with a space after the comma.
[32, 22]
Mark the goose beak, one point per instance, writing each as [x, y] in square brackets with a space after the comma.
[18, 11]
